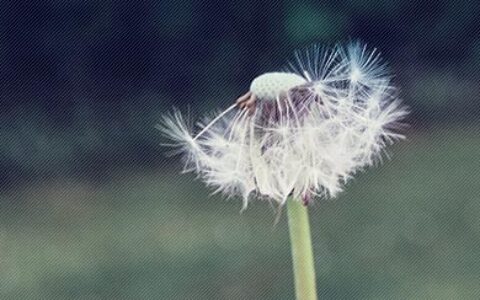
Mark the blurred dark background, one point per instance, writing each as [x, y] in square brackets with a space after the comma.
[83, 181]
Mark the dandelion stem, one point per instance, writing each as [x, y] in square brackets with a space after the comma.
[302, 253]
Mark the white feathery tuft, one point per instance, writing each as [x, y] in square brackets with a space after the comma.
[311, 131]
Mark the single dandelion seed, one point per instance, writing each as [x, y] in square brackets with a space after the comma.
[299, 134]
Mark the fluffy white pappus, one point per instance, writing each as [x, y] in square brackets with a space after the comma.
[306, 138]
[174, 127]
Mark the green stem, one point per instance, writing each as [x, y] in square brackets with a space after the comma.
[302, 253]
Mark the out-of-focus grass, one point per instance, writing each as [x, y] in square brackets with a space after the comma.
[409, 229]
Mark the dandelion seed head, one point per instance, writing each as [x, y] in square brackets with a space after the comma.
[303, 132]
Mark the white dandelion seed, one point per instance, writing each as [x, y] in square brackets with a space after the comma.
[303, 132]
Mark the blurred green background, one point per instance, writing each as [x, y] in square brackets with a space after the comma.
[91, 209]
